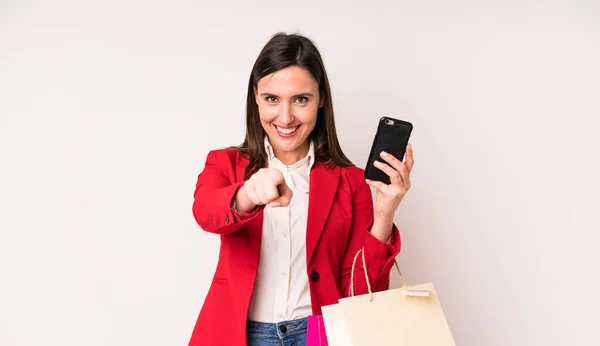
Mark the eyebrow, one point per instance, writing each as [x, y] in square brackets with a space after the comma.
[299, 95]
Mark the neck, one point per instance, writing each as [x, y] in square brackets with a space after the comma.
[290, 157]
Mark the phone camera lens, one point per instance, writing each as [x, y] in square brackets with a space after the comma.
[389, 122]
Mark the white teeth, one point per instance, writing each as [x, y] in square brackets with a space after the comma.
[286, 131]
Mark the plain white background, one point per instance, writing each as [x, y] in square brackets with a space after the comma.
[108, 109]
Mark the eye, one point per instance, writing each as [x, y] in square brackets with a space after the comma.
[271, 99]
[301, 99]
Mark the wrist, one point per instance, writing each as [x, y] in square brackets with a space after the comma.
[243, 204]
[382, 228]
[383, 219]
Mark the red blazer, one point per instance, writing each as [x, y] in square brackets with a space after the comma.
[340, 214]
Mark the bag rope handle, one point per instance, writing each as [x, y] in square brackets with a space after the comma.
[367, 274]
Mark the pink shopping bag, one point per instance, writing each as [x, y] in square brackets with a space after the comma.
[315, 334]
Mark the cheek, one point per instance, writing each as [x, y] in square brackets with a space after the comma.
[266, 114]
[308, 115]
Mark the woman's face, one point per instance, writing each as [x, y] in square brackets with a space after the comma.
[288, 102]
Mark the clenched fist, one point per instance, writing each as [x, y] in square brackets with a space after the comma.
[267, 186]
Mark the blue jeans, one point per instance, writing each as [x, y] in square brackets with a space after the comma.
[287, 333]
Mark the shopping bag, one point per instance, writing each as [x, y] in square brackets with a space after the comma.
[335, 326]
[407, 316]
[315, 333]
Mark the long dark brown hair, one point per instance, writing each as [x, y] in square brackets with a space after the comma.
[281, 51]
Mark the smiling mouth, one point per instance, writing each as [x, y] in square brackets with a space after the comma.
[287, 130]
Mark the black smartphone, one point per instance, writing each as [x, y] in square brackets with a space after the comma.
[392, 137]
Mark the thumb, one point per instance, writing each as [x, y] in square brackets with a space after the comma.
[285, 196]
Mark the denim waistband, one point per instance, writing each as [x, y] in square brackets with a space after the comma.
[284, 327]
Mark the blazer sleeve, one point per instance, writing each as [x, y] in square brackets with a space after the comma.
[214, 195]
[379, 256]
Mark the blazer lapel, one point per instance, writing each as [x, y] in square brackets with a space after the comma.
[323, 186]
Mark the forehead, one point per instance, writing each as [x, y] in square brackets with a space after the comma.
[290, 80]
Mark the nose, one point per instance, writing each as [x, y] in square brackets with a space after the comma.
[285, 114]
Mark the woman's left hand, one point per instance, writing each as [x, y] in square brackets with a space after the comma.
[388, 197]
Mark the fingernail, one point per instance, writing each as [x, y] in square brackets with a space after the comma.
[377, 163]
[384, 154]
[275, 204]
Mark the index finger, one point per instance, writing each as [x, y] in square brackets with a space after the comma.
[392, 160]
[285, 196]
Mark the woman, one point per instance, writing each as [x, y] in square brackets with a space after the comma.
[291, 210]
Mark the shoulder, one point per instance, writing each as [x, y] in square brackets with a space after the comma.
[225, 153]
[224, 156]
[353, 172]
[354, 177]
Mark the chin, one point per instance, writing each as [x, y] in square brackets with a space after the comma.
[288, 144]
